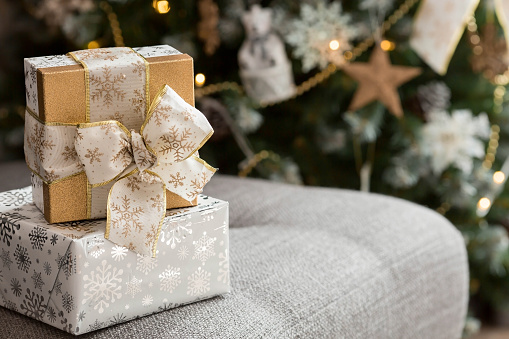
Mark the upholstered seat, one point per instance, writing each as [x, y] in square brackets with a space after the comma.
[310, 263]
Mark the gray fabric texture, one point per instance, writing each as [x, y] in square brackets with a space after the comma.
[311, 263]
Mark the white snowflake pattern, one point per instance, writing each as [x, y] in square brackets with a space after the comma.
[147, 300]
[176, 231]
[183, 252]
[204, 248]
[133, 286]
[95, 247]
[103, 286]
[118, 253]
[198, 282]
[145, 263]
[170, 279]
[224, 267]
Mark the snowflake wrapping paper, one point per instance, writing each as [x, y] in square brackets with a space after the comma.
[68, 276]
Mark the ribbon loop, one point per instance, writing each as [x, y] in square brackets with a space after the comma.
[174, 129]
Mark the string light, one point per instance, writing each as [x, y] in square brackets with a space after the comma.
[498, 177]
[334, 45]
[93, 44]
[484, 203]
[161, 6]
[199, 79]
[387, 45]
[492, 147]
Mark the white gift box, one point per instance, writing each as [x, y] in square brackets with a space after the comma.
[68, 276]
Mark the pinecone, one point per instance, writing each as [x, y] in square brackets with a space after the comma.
[434, 96]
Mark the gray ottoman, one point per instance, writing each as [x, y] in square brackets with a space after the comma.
[310, 263]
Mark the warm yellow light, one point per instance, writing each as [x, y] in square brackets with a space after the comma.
[387, 45]
[484, 203]
[334, 45]
[93, 44]
[348, 55]
[498, 177]
[161, 6]
[199, 79]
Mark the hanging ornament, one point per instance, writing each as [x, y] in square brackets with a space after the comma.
[490, 55]
[265, 70]
[207, 27]
[439, 25]
[379, 80]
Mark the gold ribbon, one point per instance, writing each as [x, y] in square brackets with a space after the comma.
[162, 155]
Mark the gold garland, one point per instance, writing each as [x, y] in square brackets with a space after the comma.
[322, 75]
[256, 159]
[114, 24]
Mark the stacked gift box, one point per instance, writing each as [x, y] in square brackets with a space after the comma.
[114, 226]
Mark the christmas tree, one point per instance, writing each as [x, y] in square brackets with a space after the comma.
[400, 97]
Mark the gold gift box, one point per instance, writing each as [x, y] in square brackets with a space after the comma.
[61, 98]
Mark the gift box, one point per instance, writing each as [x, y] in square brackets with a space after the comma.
[86, 87]
[68, 276]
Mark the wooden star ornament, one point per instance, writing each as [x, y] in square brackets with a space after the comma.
[379, 80]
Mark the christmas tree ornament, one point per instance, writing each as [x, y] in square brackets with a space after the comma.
[265, 70]
[439, 25]
[321, 35]
[434, 96]
[490, 56]
[207, 27]
[379, 80]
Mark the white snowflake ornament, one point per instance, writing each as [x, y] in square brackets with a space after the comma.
[312, 33]
[454, 139]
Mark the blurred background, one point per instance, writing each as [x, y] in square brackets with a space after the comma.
[279, 81]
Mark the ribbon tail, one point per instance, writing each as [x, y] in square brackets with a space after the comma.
[186, 178]
[136, 210]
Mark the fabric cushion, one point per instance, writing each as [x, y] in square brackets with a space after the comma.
[313, 263]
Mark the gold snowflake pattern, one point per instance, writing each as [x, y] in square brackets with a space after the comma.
[38, 142]
[162, 113]
[197, 186]
[79, 135]
[138, 102]
[107, 87]
[138, 67]
[51, 176]
[188, 115]
[125, 154]
[117, 116]
[70, 154]
[176, 180]
[133, 183]
[96, 53]
[177, 142]
[93, 155]
[156, 202]
[126, 217]
[107, 128]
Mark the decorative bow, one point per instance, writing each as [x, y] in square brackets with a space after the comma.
[162, 155]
